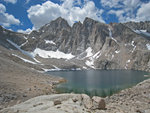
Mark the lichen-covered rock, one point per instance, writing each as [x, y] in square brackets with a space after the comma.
[86, 100]
[57, 102]
[98, 103]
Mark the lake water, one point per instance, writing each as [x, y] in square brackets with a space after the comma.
[98, 82]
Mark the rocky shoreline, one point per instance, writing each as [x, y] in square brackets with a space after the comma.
[19, 83]
[131, 100]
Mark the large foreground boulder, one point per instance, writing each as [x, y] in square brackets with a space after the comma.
[98, 103]
[86, 100]
[58, 103]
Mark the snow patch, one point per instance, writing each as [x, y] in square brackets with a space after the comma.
[90, 62]
[18, 47]
[112, 57]
[37, 61]
[132, 43]
[114, 39]
[84, 67]
[50, 42]
[46, 70]
[97, 55]
[47, 24]
[74, 69]
[56, 69]
[110, 35]
[128, 61]
[89, 52]
[134, 47]
[117, 51]
[148, 46]
[24, 43]
[31, 55]
[143, 32]
[125, 67]
[52, 54]
[25, 37]
[25, 60]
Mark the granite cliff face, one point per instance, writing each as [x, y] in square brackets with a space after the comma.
[90, 44]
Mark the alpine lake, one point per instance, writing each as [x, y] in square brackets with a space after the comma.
[98, 82]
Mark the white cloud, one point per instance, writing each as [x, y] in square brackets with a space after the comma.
[125, 10]
[112, 3]
[71, 10]
[132, 10]
[118, 12]
[7, 19]
[27, 1]
[128, 10]
[2, 8]
[126, 4]
[11, 1]
[143, 12]
[27, 31]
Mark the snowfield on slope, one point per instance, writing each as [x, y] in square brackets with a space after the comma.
[52, 54]
[50, 42]
[144, 32]
[25, 60]
[148, 46]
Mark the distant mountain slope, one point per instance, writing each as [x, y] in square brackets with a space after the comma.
[90, 44]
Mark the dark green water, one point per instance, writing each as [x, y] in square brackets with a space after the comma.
[98, 82]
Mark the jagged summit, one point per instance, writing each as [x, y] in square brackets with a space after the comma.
[88, 45]
[61, 22]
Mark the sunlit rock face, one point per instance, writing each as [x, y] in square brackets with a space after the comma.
[90, 44]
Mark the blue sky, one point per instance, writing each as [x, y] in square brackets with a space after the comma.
[27, 15]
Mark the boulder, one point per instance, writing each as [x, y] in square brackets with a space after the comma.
[86, 101]
[98, 103]
[57, 102]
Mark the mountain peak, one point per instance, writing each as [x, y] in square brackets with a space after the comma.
[59, 19]
[60, 22]
[87, 19]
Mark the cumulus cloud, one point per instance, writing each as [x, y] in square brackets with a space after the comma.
[126, 4]
[132, 10]
[2, 8]
[7, 19]
[112, 3]
[27, 31]
[125, 10]
[143, 12]
[71, 10]
[11, 1]
[27, 1]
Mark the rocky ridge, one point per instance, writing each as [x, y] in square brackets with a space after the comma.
[86, 45]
